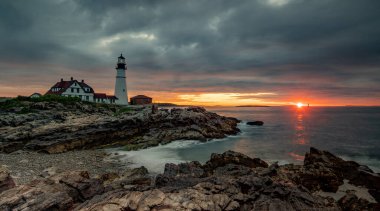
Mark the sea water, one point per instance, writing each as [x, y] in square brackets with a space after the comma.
[352, 133]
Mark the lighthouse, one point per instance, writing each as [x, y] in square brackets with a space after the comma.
[121, 84]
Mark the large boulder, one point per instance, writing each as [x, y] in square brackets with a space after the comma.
[231, 157]
[325, 171]
[258, 123]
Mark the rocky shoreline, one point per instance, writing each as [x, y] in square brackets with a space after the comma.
[55, 127]
[228, 181]
[50, 160]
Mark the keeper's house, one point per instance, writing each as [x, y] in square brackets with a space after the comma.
[74, 88]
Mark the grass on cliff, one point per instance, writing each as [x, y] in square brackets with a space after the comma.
[18, 101]
[21, 107]
[123, 110]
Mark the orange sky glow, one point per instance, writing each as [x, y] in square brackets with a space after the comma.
[210, 99]
[184, 93]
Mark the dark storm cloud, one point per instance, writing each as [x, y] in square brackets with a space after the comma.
[269, 41]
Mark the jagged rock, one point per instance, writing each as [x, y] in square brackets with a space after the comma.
[323, 170]
[6, 181]
[231, 157]
[258, 123]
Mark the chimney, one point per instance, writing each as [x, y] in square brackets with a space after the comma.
[72, 78]
[82, 81]
[61, 79]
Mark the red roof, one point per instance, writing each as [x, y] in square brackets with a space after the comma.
[112, 97]
[141, 97]
[100, 95]
[104, 96]
[64, 85]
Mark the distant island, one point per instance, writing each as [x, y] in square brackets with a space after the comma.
[167, 104]
[253, 106]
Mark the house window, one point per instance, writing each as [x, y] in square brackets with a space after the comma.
[72, 89]
[87, 98]
[77, 90]
[80, 96]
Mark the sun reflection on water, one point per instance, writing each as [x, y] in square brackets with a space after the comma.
[300, 136]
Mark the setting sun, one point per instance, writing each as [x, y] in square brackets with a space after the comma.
[299, 105]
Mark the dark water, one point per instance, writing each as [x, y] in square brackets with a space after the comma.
[288, 132]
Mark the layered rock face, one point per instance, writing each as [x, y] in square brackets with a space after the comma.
[228, 181]
[53, 127]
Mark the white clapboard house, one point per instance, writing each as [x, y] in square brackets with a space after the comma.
[74, 88]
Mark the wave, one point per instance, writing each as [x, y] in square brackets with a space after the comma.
[155, 158]
[372, 163]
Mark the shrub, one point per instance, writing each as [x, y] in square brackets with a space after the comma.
[55, 98]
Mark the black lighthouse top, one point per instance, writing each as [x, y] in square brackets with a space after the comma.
[121, 62]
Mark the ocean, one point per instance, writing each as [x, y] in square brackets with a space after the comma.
[352, 133]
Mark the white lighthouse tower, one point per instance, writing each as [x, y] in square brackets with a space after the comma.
[120, 84]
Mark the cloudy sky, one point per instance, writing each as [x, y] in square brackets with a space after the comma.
[323, 52]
